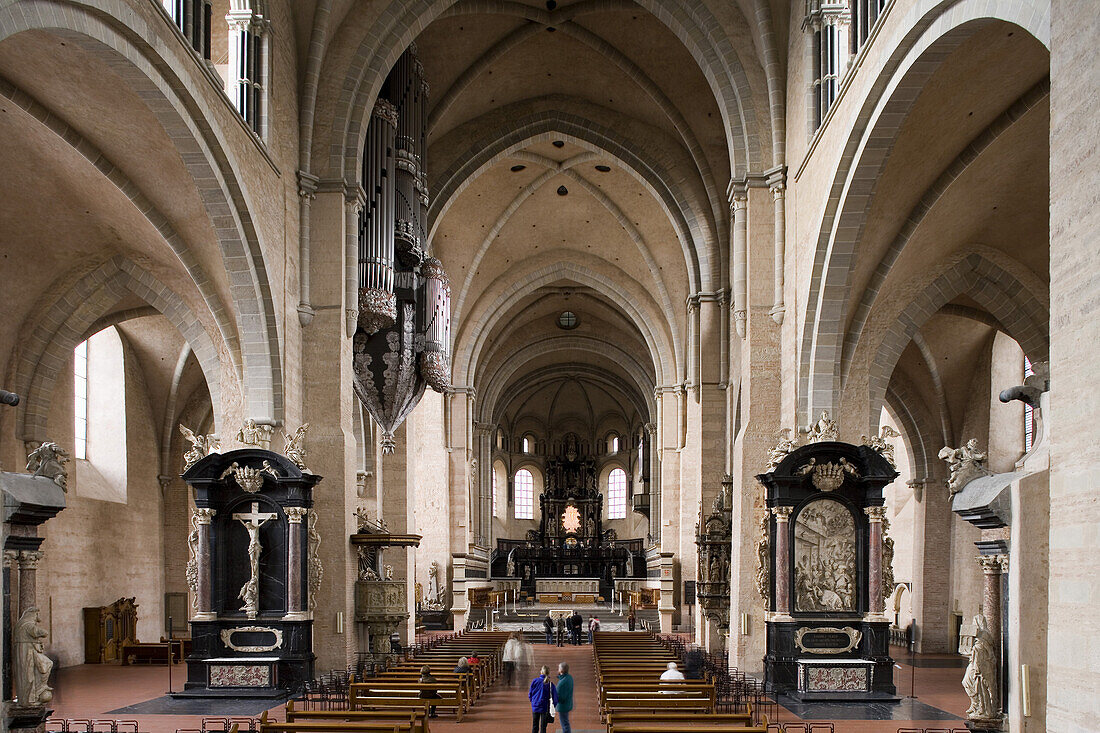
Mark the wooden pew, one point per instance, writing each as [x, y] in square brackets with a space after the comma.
[417, 718]
[334, 726]
[373, 693]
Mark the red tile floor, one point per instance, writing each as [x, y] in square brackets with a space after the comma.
[90, 691]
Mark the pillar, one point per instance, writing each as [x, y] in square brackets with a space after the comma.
[874, 560]
[204, 602]
[295, 608]
[28, 586]
[782, 562]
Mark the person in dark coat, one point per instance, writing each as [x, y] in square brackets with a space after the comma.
[548, 624]
[429, 693]
[578, 622]
[542, 695]
[561, 630]
[693, 664]
[631, 620]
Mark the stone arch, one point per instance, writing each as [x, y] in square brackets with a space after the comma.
[698, 239]
[502, 379]
[150, 64]
[664, 345]
[917, 426]
[921, 43]
[692, 23]
[1024, 317]
[62, 326]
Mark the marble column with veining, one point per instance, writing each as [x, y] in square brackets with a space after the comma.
[203, 594]
[874, 559]
[992, 567]
[28, 585]
[295, 516]
[782, 560]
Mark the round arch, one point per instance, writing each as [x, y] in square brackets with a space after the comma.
[137, 52]
[921, 43]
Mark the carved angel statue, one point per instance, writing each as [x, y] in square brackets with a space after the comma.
[965, 463]
[31, 665]
[781, 449]
[253, 434]
[387, 571]
[201, 446]
[881, 443]
[49, 460]
[825, 429]
[980, 679]
[294, 446]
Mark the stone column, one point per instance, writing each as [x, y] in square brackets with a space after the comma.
[28, 586]
[738, 205]
[777, 185]
[782, 562]
[874, 560]
[295, 608]
[992, 566]
[203, 595]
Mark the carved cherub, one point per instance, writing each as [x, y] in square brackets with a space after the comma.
[49, 460]
[881, 443]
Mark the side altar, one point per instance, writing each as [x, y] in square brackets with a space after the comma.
[251, 574]
[822, 569]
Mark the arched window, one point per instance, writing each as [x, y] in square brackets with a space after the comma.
[525, 494]
[613, 443]
[616, 494]
[1029, 412]
[247, 71]
[528, 444]
[99, 416]
[496, 488]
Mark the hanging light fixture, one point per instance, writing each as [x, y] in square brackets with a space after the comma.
[402, 334]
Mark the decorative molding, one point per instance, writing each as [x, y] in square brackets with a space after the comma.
[227, 638]
[854, 637]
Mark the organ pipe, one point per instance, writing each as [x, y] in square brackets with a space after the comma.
[377, 301]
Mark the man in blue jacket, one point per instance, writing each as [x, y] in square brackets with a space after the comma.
[542, 695]
[565, 697]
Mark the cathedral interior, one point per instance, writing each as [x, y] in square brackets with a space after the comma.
[764, 331]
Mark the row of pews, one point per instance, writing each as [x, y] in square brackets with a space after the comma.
[391, 700]
[633, 699]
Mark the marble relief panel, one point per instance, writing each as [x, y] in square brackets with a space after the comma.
[825, 558]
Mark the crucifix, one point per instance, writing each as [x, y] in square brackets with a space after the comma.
[250, 591]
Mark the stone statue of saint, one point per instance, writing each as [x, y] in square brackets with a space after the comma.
[32, 667]
[965, 464]
[980, 679]
[511, 571]
[253, 434]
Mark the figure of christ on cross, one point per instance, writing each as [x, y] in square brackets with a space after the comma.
[250, 591]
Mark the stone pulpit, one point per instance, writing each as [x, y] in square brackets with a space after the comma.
[822, 572]
[252, 534]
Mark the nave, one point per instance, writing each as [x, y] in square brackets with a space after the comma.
[94, 692]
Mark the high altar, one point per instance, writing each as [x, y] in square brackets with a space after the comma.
[822, 573]
[570, 543]
[252, 572]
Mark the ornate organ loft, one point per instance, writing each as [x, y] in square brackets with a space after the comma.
[402, 333]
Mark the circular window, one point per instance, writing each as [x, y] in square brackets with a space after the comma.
[567, 320]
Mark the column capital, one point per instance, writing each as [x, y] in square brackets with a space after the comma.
[203, 515]
[991, 564]
[307, 184]
[10, 557]
[28, 559]
[875, 513]
[782, 513]
[295, 514]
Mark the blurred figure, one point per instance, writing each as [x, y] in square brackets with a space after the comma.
[548, 625]
[694, 660]
[513, 653]
[631, 620]
[672, 674]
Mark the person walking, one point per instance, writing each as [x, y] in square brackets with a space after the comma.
[513, 654]
[593, 627]
[542, 695]
[561, 630]
[548, 624]
[631, 620]
[428, 693]
[565, 697]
